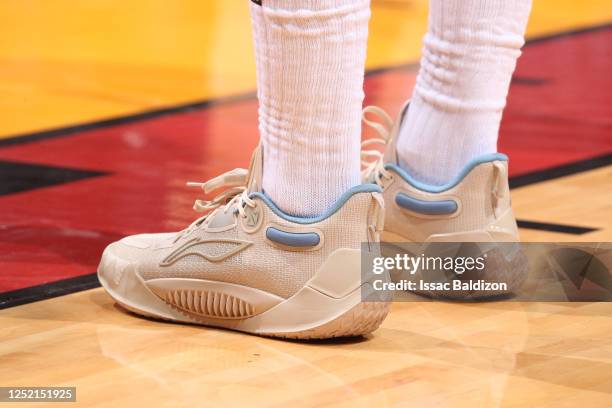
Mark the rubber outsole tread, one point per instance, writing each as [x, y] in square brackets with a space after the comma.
[362, 319]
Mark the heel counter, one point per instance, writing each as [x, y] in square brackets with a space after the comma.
[504, 227]
[376, 217]
[490, 218]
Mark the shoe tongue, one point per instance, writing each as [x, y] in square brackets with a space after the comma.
[255, 170]
[390, 155]
[391, 150]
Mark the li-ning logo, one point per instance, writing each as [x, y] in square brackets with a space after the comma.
[252, 219]
[192, 247]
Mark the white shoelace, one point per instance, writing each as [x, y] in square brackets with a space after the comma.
[372, 160]
[236, 196]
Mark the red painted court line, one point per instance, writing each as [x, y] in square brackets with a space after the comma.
[560, 111]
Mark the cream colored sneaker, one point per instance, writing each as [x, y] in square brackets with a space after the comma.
[247, 266]
[473, 207]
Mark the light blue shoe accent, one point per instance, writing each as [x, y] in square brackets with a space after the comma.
[442, 207]
[293, 239]
[464, 172]
[362, 188]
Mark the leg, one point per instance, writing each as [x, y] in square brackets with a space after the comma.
[310, 63]
[245, 265]
[450, 184]
[469, 56]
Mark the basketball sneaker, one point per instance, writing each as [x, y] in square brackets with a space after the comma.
[474, 207]
[248, 266]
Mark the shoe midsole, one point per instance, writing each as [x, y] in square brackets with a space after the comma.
[335, 289]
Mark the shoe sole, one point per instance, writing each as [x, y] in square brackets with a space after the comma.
[329, 305]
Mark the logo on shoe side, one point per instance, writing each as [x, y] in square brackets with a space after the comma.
[198, 246]
[252, 219]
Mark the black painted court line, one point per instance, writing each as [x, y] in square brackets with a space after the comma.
[72, 285]
[410, 66]
[568, 33]
[529, 81]
[48, 290]
[561, 171]
[545, 226]
[18, 177]
[203, 104]
[150, 114]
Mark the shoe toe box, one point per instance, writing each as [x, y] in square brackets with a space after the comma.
[129, 255]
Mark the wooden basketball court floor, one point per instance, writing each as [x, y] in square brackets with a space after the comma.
[109, 107]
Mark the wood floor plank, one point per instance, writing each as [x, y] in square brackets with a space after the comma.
[503, 354]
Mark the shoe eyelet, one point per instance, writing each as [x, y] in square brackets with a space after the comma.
[252, 219]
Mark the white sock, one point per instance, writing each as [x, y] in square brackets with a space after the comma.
[310, 58]
[469, 55]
